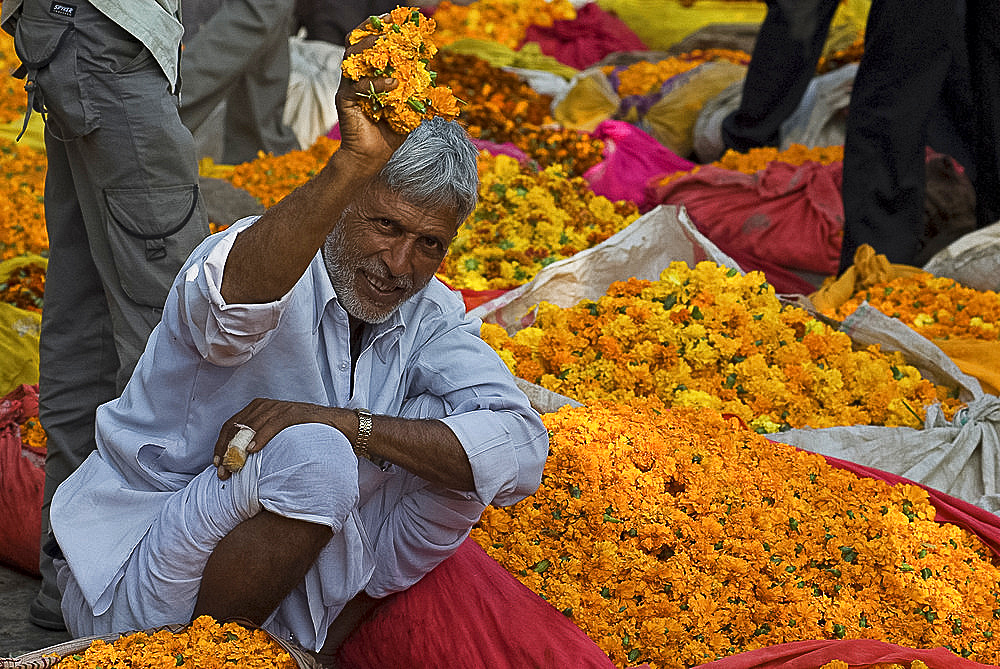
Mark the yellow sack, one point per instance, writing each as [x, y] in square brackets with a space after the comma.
[671, 120]
[19, 329]
[975, 357]
[590, 99]
[868, 269]
[660, 25]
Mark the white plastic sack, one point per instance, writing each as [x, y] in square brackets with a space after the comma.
[973, 259]
[821, 117]
[960, 457]
[542, 82]
[819, 120]
[310, 108]
[642, 250]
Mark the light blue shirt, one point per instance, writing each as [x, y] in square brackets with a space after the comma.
[207, 359]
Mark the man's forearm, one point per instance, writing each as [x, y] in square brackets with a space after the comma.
[270, 256]
[427, 448]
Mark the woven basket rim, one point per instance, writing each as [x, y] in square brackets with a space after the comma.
[302, 657]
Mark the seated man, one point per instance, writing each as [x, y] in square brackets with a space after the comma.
[382, 423]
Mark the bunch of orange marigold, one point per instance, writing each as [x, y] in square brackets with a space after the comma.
[22, 211]
[204, 644]
[674, 537]
[403, 50]
[758, 159]
[709, 336]
[647, 77]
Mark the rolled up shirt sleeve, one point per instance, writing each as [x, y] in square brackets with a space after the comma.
[503, 436]
[225, 334]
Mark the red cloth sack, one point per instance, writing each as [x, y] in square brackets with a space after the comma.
[788, 215]
[470, 612]
[22, 478]
[857, 653]
[585, 40]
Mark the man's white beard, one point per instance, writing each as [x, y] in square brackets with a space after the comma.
[343, 262]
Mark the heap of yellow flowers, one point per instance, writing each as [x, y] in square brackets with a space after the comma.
[757, 159]
[936, 307]
[675, 537]
[710, 337]
[205, 644]
[403, 50]
[646, 77]
[502, 21]
[527, 219]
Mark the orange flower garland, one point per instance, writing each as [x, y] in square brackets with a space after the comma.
[205, 644]
[936, 307]
[709, 336]
[675, 537]
[403, 50]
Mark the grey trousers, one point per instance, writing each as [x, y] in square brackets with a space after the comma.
[122, 212]
[240, 57]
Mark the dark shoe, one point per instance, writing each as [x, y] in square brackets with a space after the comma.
[46, 617]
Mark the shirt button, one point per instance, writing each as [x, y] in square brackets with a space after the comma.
[344, 366]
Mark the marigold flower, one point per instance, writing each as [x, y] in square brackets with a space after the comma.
[525, 220]
[675, 537]
[936, 307]
[204, 643]
[710, 336]
[403, 50]
[503, 21]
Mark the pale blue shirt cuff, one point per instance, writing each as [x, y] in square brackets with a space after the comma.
[495, 442]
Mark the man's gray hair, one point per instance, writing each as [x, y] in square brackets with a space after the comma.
[436, 168]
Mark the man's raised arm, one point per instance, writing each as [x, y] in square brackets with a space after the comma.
[271, 255]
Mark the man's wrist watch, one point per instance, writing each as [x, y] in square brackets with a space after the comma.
[364, 434]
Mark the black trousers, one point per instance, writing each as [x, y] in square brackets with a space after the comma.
[917, 55]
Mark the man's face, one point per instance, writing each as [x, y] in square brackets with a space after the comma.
[383, 250]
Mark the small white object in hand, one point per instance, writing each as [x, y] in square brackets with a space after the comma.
[236, 450]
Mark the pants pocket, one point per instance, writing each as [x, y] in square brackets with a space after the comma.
[150, 237]
[48, 51]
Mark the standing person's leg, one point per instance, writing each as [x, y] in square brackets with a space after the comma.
[908, 53]
[121, 167]
[256, 104]
[788, 47]
[78, 363]
[983, 40]
[234, 42]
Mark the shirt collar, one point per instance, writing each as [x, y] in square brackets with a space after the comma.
[324, 294]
